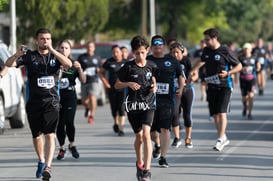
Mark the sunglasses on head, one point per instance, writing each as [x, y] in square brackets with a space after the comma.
[157, 42]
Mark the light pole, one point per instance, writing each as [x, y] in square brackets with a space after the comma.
[152, 18]
[12, 26]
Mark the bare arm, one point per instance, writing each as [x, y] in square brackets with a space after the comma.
[234, 70]
[11, 62]
[63, 59]
[194, 71]
[133, 85]
[82, 76]
[101, 73]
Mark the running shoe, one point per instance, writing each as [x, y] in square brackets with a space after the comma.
[188, 143]
[220, 144]
[244, 112]
[156, 152]
[61, 154]
[176, 142]
[47, 173]
[40, 169]
[90, 120]
[121, 133]
[163, 162]
[139, 172]
[86, 112]
[115, 128]
[146, 176]
[249, 117]
[74, 152]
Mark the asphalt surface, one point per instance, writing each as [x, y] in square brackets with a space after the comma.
[104, 156]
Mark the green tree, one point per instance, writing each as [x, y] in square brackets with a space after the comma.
[3, 3]
[65, 18]
[124, 20]
[187, 20]
[248, 20]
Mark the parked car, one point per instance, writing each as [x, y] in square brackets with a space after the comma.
[12, 99]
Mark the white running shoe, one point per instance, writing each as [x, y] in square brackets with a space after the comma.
[220, 144]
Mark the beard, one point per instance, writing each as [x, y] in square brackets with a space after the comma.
[42, 47]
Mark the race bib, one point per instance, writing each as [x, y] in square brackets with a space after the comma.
[91, 71]
[64, 83]
[46, 82]
[214, 79]
[162, 88]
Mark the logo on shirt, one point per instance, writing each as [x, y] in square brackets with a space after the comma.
[167, 63]
[52, 63]
[95, 61]
[148, 75]
[217, 57]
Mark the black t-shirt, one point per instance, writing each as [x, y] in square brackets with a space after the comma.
[215, 62]
[186, 65]
[112, 66]
[168, 68]
[260, 54]
[249, 63]
[68, 78]
[89, 65]
[42, 73]
[142, 99]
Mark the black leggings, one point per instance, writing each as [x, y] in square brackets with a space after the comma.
[185, 103]
[116, 99]
[67, 115]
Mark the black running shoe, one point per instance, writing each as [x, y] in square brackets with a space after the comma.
[74, 152]
[115, 128]
[86, 112]
[176, 142]
[61, 154]
[139, 172]
[244, 112]
[121, 133]
[163, 162]
[156, 152]
[146, 176]
[47, 174]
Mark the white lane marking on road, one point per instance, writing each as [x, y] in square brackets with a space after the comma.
[252, 134]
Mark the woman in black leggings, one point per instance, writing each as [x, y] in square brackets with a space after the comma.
[68, 102]
[187, 98]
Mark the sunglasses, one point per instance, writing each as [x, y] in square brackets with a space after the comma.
[157, 42]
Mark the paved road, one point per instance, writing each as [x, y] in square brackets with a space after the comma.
[105, 156]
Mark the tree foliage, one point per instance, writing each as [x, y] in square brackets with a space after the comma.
[65, 18]
[3, 3]
[185, 20]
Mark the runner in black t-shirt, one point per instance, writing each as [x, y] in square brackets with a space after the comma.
[261, 54]
[68, 102]
[116, 96]
[167, 70]
[248, 79]
[220, 63]
[43, 68]
[90, 89]
[138, 76]
[185, 101]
